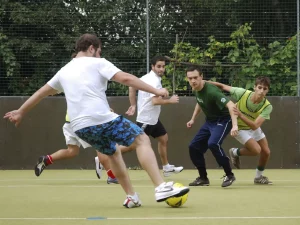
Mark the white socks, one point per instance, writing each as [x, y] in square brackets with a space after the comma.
[258, 173]
[234, 151]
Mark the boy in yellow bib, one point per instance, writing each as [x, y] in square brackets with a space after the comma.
[252, 109]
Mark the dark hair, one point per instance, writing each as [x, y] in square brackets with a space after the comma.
[85, 41]
[263, 81]
[73, 55]
[155, 59]
[192, 68]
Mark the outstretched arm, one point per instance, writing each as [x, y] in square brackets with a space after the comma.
[132, 81]
[157, 100]
[16, 116]
[223, 87]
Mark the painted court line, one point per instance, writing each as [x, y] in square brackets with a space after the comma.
[157, 218]
[138, 179]
[137, 186]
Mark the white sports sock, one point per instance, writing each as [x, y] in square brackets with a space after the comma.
[165, 167]
[258, 173]
[235, 151]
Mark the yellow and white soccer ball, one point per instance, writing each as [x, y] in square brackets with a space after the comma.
[176, 202]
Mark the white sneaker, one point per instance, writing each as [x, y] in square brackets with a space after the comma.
[132, 201]
[172, 170]
[98, 167]
[167, 190]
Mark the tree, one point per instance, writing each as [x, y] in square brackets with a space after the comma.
[242, 60]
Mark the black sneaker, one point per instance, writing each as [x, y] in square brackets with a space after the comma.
[200, 182]
[40, 166]
[228, 180]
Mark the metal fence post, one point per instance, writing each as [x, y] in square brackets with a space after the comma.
[147, 35]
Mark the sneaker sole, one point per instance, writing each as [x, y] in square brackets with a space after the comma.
[199, 185]
[181, 193]
[229, 184]
[232, 157]
[98, 175]
[36, 170]
[263, 184]
[167, 174]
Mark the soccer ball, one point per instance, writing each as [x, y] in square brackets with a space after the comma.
[176, 202]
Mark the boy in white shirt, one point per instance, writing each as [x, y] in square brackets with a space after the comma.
[149, 107]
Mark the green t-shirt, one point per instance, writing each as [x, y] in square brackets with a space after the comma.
[212, 102]
[236, 93]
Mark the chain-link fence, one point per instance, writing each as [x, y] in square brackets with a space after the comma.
[37, 38]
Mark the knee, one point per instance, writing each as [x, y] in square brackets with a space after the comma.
[266, 152]
[193, 148]
[256, 150]
[213, 145]
[73, 150]
[141, 139]
[163, 140]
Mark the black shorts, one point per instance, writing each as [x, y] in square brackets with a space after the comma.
[154, 131]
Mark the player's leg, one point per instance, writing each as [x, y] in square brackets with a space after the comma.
[102, 161]
[124, 132]
[197, 149]
[263, 160]
[72, 151]
[138, 140]
[101, 137]
[148, 161]
[219, 130]
[159, 132]
[162, 148]
[251, 146]
[47, 160]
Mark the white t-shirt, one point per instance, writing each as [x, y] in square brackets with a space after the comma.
[147, 112]
[84, 82]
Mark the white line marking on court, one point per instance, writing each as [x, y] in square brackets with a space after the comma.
[139, 179]
[157, 218]
[137, 186]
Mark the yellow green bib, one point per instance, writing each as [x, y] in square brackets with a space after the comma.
[67, 118]
[242, 106]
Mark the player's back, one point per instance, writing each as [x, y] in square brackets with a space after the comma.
[84, 82]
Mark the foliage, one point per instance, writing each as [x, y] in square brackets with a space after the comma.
[244, 59]
[37, 38]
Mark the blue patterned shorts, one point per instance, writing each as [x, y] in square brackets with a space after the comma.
[104, 137]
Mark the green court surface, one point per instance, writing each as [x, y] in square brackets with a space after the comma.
[66, 197]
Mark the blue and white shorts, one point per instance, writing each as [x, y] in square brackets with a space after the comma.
[104, 137]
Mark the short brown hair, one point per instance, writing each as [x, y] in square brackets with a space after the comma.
[263, 81]
[193, 68]
[156, 59]
[85, 41]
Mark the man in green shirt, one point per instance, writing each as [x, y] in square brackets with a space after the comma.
[252, 109]
[220, 119]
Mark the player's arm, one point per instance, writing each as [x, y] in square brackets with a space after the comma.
[252, 124]
[157, 100]
[132, 81]
[223, 87]
[231, 108]
[196, 112]
[132, 100]
[17, 115]
[43, 92]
